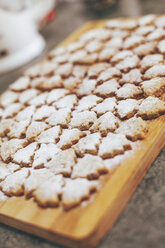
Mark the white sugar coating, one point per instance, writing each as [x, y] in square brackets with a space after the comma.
[129, 91]
[62, 162]
[154, 86]
[145, 49]
[80, 71]
[8, 97]
[43, 112]
[107, 105]
[13, 184]
[114, 23]
[113, 145]
[151, 107]
[27, 95]
[98, 34]
[160, 21]
[35, 128]
[144, 30]
[3, 197]
[25, 114]
[20, 84]
[10, 147]
[83, 120]
[25, 155]
[51, 135]
[107, 53]
[115, 42]
[127, 108]
[133, 41]
[69, 137]
[87, 102]
[77, 56]
[36, 82]
[87, 58]
[151, 60]
[7, 169]
[161, 46]
[107, 122]
[156, 34]
[86, 87]
[121, 55]
[55, 95]
[18, 130]
[71, 83]
[50, 83]
[108, 88]
[36, 178]
[147, 19]
[65, 70]
[119, 23]
[66, 102]
[133, 77]
[61, 58]
[108, 74]
[39, 100]
[96, 69]
[47, 194]
[44, 154]
[74, 46]
[6, 126]
[155, 71]
[12, 109]
[89, 167]
[134, 128]
[60, 117]
[94, 46]
[119, 33]
[128, 63]
[88, 144]
[71, 197]
[58, 51]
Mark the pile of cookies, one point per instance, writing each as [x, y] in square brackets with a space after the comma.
[77, 114]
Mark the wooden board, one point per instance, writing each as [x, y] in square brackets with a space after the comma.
[85, 226]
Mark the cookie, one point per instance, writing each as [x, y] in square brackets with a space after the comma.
[62, 162]
[107, 89]
[151, 60]
[83, 120]
[72, 197]
[133, 129]
[86, 87]
[106, 123]
[88, 144]
[13, 183]
[89, 167]
[113, 145]
[87, 102]
[20, 84]
[129, 91]
[127, 108]
[154, 86]
[50, 135]
[47, 194]
[96, 69]
[155, 71]
[151, 107]
[70, 137]
[107, 105]
[60, 117]
[132, 77]
[35, 179]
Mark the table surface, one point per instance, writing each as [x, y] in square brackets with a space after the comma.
[142, 223]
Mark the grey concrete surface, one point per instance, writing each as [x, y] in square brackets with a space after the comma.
[142, 223]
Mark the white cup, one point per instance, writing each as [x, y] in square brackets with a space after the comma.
[20, 40]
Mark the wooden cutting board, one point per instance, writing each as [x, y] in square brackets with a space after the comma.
[85, 226]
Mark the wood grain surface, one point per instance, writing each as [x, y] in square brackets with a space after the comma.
[85, 225]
